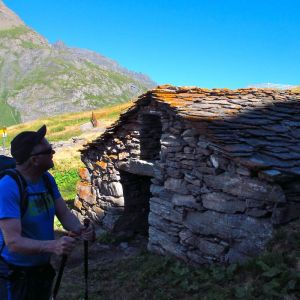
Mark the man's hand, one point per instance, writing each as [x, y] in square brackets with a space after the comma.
[88, 233]
[64, 245]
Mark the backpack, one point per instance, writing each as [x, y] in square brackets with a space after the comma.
[8, 167]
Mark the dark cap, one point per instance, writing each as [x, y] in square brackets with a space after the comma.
[24, 142]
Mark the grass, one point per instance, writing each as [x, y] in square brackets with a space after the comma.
[30, 45]
[9, 115]
[14, 32]
[64, 127]
[66, 180]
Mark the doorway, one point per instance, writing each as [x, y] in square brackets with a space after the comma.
[136, 192]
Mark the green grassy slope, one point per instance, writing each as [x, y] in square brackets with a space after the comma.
[8, 115]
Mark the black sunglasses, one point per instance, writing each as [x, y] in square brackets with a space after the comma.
[45, 152]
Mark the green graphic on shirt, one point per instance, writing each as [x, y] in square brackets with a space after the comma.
[39, 204]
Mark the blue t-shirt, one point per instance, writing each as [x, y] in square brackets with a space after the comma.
[37, 222]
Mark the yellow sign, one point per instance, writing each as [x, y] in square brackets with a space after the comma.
[3, 131]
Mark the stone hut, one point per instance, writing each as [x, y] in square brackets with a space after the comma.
[206, 175]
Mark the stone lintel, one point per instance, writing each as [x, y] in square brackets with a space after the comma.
[137, 166]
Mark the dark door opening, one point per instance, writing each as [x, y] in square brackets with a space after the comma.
[136, 191]
[150, 135]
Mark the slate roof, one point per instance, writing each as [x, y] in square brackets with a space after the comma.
[258, 127]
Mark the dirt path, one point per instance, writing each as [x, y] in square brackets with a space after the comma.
[104, 252]
[99, 254]
[76, 143]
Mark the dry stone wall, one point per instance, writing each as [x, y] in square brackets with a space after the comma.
[204, 207]
[100, 192]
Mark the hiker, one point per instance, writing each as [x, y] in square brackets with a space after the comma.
[27, 238]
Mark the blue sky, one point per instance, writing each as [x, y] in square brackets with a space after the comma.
[221, 43]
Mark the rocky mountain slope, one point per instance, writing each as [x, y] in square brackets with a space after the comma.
[39, 79]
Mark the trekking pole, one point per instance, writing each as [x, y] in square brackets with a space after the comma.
[59, 276]
[86, 223]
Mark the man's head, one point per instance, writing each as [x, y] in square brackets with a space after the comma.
[31, 144]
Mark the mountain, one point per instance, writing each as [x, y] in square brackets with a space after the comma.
[278, 86]
[40, 79]
[8, 18]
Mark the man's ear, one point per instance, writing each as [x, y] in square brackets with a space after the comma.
[33, 160]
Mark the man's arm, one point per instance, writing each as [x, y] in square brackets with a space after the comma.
[68, 220]
[11, 229]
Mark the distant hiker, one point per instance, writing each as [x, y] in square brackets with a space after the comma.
[94, 121]
[26, 221]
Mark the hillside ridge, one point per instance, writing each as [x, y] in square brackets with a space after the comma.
[40, 79]
[8, 18]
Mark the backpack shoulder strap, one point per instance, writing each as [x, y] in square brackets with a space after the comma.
[48, 185]
[22, 186]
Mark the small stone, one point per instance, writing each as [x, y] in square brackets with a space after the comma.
[214, 161]
[203, 143]
[188, 133]
[272, 175]
[188, 150]
[77, 203]
[156, 189]
[84, 174]
[85, 192]
[244, 187]
[124, 245]
[101, 164]
[223, 203]
[111, 188]
[191, 141]
[174, 172]
[186, 201]
[256, 212]
[176, 185]
[250, 203]
[109, 221]
[243, 171]
[99, 212]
